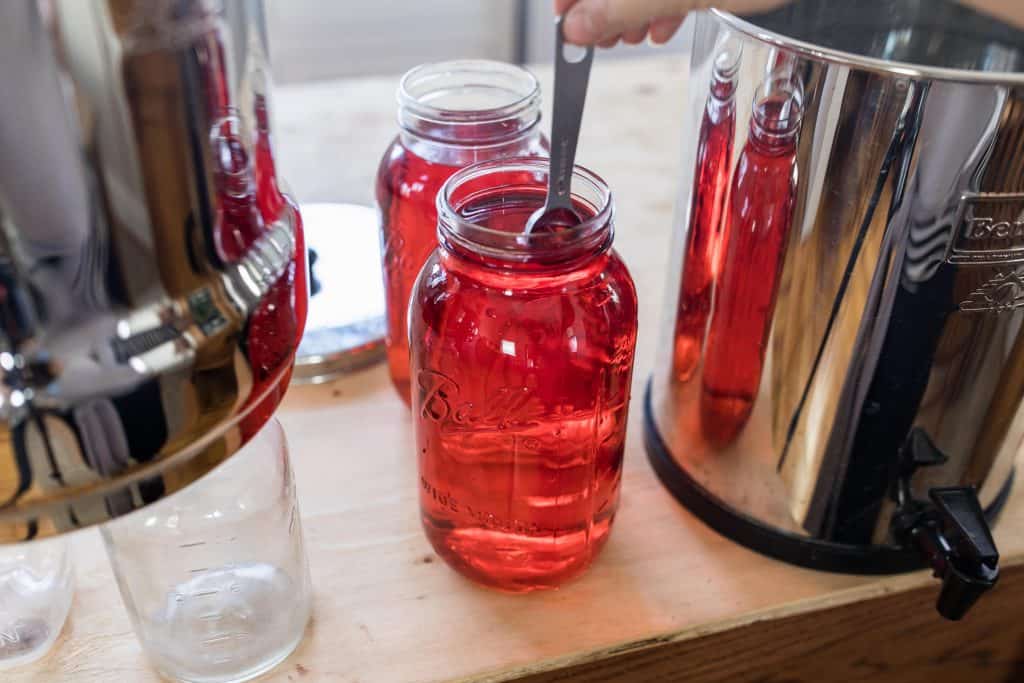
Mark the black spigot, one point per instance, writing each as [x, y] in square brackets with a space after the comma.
[951, 532]
[970, 566]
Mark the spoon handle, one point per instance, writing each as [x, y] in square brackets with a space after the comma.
[571, 80]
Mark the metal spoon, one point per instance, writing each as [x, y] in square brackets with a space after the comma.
[570, 93]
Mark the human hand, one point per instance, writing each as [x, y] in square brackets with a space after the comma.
[606, 22]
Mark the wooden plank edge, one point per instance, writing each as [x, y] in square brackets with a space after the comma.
[775, 644]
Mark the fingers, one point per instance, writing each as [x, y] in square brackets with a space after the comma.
[562, 6]
[663, 29]
[585, 21]
[635, 36]
[599, 21]
[605, 22]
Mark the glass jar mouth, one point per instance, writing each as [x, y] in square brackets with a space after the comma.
[517, 187]
[462, 93]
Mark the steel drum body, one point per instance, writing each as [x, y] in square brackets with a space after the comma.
[152, 277]
[898, 303]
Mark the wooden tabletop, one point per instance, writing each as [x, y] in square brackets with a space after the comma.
[667, 600]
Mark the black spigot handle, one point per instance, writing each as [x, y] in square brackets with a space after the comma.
[951, 532]
[953, 536]
[960, 590]
[964, 524]
[970, 564]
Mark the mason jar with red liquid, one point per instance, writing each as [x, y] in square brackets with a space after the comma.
[450, 115]
[521, 359]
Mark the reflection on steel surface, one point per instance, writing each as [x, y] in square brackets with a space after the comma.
[137, 249]
[900, 300]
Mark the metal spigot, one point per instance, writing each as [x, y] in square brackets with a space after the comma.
[951, 532]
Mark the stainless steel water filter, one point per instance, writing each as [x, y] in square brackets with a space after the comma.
[880, 417]
[139, 347]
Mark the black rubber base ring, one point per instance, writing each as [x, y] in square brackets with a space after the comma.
[782, 545]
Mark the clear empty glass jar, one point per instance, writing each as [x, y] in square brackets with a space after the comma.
[215, 578]
[522, 353]
[35, 596]
[450, 115]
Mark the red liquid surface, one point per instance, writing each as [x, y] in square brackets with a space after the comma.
[522, 381]
[711, 184]
[761, 205]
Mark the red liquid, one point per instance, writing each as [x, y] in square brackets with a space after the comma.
[714, 152]
[761, 205]
[406, 189]
[521, 397]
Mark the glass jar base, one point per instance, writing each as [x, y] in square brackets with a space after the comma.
[36, 590]
[268, 664]
[517, 563]
[25, 641]
[227, 625]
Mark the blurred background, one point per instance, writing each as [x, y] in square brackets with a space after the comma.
[316, 40]
[336, 66]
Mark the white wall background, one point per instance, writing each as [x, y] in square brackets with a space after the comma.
[323, 39]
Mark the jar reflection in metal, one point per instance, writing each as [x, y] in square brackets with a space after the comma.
[36, 588]
[754, 237]
[450, 115]
[703, 240]
[215, 578]
[522, 353]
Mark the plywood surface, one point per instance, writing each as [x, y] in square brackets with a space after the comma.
[667, 600]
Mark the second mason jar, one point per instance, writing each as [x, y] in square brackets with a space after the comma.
[215, 578]
[522, 354]
[450, 115]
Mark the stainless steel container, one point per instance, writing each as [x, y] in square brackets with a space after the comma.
[151, 273]
[884, 337]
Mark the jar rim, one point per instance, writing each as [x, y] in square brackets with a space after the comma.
[426, 82]
[594, 231]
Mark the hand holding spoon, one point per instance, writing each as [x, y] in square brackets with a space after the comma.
[571, 80]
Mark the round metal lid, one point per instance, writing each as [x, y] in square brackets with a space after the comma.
[346, 324]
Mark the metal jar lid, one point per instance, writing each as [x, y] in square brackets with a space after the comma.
[346, 324]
